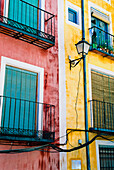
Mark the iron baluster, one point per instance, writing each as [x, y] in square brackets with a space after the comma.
[107, 116]
[14, 114]
[46, 117]
[4, 107]
[54, 26]
[50, 118]
[47, 24]
[97, 114]
[94, 121]
[54, 119]
[28, 113]
[104, 114]
[44, 22]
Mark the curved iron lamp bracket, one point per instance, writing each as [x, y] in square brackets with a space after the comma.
[74, 62]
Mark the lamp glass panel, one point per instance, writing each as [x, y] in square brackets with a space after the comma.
[86, 48]
[80, 48]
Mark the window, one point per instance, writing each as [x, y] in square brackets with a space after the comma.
[72, 16]
[102, 87]
[99, 23]
[18, 109]
[22, 111]
[75, 164]
[24, 13]
[100, 37]
[100, 32]
[21, 92]
[102, 102]
[28, 21]
[106, 155]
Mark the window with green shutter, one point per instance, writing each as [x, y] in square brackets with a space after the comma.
[19, 108]
[23, 13]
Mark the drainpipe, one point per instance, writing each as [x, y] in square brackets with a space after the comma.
[85, 90]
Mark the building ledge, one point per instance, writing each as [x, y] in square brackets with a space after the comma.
[101, 52]
[26, 135]
[107, 131]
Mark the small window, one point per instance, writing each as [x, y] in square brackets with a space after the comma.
[72, 15]
[75, 164]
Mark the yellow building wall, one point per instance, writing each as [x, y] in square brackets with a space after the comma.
[76, 119]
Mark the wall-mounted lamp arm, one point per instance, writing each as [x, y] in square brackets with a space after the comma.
[74, 62]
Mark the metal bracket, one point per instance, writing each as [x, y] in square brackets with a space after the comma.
[74, 62]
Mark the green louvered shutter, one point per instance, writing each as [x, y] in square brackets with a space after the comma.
[19, 109]
[24, 13]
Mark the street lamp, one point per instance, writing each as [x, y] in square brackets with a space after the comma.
[82, 48]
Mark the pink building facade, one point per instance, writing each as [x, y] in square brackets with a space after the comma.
[29, 88]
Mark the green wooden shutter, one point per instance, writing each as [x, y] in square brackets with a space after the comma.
[24, 13]
[19, 105]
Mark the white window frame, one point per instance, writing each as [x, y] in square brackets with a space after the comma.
[91, 4]
[98, 143]
[78, 10]
[101, 70]
[6, 6]
[40, 71]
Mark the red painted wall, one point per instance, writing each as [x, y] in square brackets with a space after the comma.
[1, 6]
[48, 59]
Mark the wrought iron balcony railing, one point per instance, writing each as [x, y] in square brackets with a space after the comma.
[102, 114]
[26, 119]
[101, 42]
[29, 23]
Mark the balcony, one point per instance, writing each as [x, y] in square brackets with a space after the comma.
[28, 23]
[23, 120]
[102, 116]
[101, 42]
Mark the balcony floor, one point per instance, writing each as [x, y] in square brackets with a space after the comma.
[107, 131]
[103, 53]
[26, 135]
[26, 33]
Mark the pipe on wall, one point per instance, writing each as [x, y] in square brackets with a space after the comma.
[85, 90]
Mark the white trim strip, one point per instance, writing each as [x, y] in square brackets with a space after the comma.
[62, 85]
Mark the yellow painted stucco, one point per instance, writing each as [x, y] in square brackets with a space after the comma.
[76, 119]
